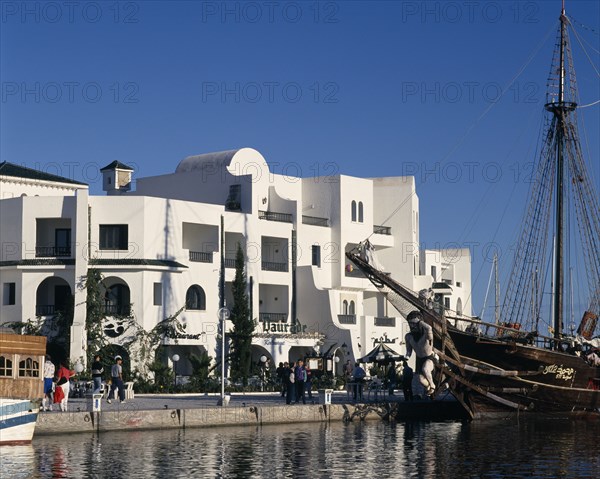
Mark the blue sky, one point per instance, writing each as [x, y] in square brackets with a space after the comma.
[354, 87]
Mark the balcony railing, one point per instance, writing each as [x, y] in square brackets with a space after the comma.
[274, 216]
[201, 257]
[273, 317]
[229, 262]
[347, 318]
[52, 251]
[385, 322]
[232, 205]
[382, 230]
[315, 221]
[44, 309]
[117, 309]
[270, 266]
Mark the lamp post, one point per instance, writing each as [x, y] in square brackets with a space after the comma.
[223, 315]
[78, 369]
[175, 358]
[263, 361]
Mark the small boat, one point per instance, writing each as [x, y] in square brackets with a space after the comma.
[21, 386]
[509, 365]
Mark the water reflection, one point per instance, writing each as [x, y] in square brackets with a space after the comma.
[490, 449]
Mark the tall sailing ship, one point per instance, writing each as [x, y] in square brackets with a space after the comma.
[508, 365]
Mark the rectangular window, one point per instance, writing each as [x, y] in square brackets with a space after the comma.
[9, 294]
[62, 241]
[157, 294]
[113, 237]
[447, 303]
[433, 272]
[62, 237]
[316, 255]
[458, 284]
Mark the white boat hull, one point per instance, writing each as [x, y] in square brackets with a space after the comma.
[17, 420]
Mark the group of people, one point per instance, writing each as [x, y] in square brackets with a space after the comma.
[355, 377]
[57, 383]
[418, 340]
[295, 380]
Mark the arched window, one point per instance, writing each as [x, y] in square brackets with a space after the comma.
[116, 300]
[345, 307]
[195, 298]
[360, 212]
[459, 307]
[353, 210]
[352, 308]
[6, 367]
[28, 367]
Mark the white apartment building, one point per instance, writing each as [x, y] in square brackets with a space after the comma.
[158, 248]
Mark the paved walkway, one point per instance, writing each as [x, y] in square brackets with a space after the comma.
[197, 401]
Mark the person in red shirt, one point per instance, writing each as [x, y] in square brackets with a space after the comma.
[63, 384]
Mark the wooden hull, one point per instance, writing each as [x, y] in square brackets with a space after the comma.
[547, 382]
[17, 421]
[21, 387]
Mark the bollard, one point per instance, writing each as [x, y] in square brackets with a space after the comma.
[325, 396]
[96, 402]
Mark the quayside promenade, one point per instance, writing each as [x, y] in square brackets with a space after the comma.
[253, 409]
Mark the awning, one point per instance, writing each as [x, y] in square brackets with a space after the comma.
[382, 354]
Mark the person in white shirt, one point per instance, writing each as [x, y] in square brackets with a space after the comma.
[49, 370]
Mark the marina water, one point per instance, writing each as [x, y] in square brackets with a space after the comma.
[509, 448]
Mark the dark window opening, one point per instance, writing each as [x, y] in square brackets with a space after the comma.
[157, 294]
[195, 298]
[316, 255]
[113, 237]
[9, 294]
[234, 200]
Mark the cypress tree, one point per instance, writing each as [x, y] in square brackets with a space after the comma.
[243, 326]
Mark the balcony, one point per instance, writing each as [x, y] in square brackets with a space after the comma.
[382, 230]
[385, 322]
[45, 309]
[200, 257]
[117, 309]
[271, 266]
[274, 216]
[229, 262]
[52, 251]
[347, 318]
[315, 221]
[273, 317]
[233, 205]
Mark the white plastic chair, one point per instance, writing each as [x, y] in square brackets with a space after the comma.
[129, 394]
[105, 391]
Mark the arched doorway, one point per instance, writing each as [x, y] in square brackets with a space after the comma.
[117, 306]
[54, 305]
[53, 295]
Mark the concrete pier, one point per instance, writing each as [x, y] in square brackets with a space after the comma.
[196, 411]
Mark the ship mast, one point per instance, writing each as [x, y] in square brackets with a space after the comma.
[560, 109]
